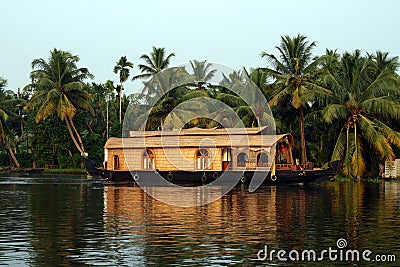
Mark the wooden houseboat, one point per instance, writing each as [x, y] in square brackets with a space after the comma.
[202, 155]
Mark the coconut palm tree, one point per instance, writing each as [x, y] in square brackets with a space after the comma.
[122, 68]
[59, 89]
[295, 76]
[246, 99]
[162, 93]
[154, 63]
[383, 60]
[365, 99]
[259, 78]
[6, 115]
[196, 81]
[201, 72]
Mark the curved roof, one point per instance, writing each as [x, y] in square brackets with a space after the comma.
[196, 137]
[201, 131]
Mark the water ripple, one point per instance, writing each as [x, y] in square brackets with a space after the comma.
[45, 222]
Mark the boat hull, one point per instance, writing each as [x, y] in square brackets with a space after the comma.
[152, 177]
[229, 177]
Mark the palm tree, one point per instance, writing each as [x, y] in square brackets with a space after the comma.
[6, 115]
[259, 78]
[383, 60]
[163, 91]
[122, 68]
[154, 63]
[201, 72]
[245, 98]
[197, 78]
[295, 74]
[365, 98]
[60, 90]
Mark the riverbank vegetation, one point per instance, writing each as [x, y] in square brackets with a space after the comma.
[337, 106]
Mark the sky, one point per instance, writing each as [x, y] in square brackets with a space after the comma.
[232, 33]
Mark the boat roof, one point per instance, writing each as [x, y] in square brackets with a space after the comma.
[196, 137]
[201, 131]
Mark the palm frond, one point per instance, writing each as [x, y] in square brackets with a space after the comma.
[357, 161]
[193, 94]
[231, 100]
[386, 83]
[319, 61]
[318, 93]
[3, 115]
[333, 112]
[339, 150]
[391, 135]
[376, 140]
[280, 94]
[275, 63]
[59, 86]
[141, 76]
[150, 64]
[381, 107]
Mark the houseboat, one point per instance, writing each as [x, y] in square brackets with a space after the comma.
[198, 155]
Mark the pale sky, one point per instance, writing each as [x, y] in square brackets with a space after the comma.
[232, 33]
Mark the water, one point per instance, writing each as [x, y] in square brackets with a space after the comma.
[74, 222]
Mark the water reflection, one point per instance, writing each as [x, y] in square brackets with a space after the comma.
[234, 228]
[202, 235]
[79, 223]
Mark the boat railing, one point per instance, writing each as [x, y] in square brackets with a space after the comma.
[253, 166]
[284, 166]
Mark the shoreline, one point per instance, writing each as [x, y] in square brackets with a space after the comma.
[43, 171]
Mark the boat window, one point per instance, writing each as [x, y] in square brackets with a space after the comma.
[262, 159]
[115, 162]
[242, 159]
[202, 159]
[226, 154]
[148, 160]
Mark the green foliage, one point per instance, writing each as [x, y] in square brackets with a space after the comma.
[122, 68]
[25, 159]
[8, 104]
[59, 89]
[48, 139]
[154, 63]
[64, 171]
[365, 95]
[295, 75]
[70, 162]
[351, 103]
[5, 160]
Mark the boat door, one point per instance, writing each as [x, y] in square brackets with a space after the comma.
[226, 158]
[115, 162]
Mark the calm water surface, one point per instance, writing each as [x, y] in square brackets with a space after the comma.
[76, 222]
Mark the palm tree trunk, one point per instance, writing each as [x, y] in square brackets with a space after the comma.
[12, 155]
[77, 134]
[120, 105]
[302, 137]
[355, 133]
[347, 142]
[356, 150]
[73, 138]
[107, 120]
[347, 155]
